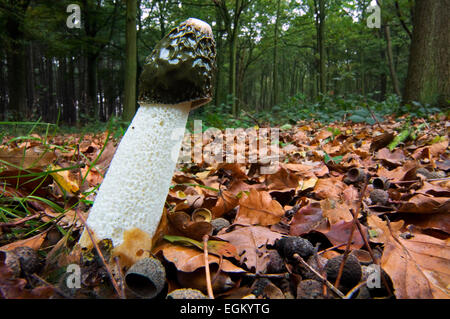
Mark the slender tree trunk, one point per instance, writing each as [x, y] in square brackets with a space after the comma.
[30, 78]
[218, 95]
[17, 74]
[321, 44]
[92, 88]
[429, 61]
[275, 53]
[53, 110]
[382, 76]
[129, 107]
[390, 57]
[233, 64]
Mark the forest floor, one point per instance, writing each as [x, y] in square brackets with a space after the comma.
[369, 195]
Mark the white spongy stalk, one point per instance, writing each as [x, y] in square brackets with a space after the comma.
[137, 182]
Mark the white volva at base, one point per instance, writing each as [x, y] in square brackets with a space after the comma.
[137, 182]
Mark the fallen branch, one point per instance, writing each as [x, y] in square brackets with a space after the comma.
[207, 273]
[329, 284]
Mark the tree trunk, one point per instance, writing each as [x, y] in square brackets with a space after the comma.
[275, 52]
[390, 57]
[218, 95]
[232, 79]
[92, 101]
[321, 45]
[129, 107]
[429, 66]
[16, 59]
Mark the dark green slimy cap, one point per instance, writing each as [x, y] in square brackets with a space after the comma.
[181, 67]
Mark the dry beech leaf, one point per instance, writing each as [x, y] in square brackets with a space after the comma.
[381, 141]
[306, 219]
[30, 158]
[339, 233]
[34, 242]
[440, 221]
[250, 243]
[331, 188]
[282, 180]
[336, 211]
[396, 157]
[30, 180]
[258, 208]
[189, 259]
[424, 204]
[417, 266]
[225, 202]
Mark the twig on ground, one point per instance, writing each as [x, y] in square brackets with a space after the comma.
[113, 280]
[350, 294]
[331, 248]
[56, 289]
[350, 239]
[207, 274]
[329, 284]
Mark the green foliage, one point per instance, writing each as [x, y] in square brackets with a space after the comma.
[352, 107]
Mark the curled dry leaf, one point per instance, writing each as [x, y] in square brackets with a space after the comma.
[226, 201]
[336, 211]
[394, 158]
[339, 233]
[417, 266]
[331, 188]
[308, 218]
[258, 208]
[424, 204]
[282, 180]
[250, 243]
[34, 157]
[189, 259]
[34, 242]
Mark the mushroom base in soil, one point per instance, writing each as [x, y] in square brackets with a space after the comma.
[177, 78]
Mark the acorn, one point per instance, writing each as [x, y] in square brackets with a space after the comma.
[30, 262]
[379, 197]
[381, 183]
[146, 278]
[186, 293]
[351, 274]
[355, 175]
[288, 246]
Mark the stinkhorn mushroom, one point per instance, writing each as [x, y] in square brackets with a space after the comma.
[177, 78]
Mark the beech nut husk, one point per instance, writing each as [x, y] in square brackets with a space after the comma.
[146, 278]
[355, 175]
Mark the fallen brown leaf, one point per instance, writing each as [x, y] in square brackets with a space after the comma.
[258, 208]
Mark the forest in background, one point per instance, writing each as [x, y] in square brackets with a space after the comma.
[275, 58]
